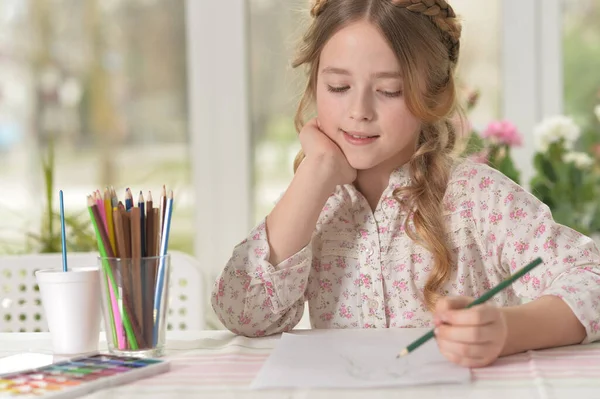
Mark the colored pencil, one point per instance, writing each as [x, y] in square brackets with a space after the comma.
[109, 220]
[142, 208]
[136, 272]
[162, 273]
[110, 286]
[128, 199]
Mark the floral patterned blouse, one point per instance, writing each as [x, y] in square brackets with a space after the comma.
[361, 270]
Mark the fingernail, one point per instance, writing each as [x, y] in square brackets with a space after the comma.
[436, 320]
[436, 331]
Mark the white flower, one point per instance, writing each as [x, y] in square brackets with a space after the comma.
[597, 111]
[554, 129]
[580, 159]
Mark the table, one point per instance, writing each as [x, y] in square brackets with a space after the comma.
[218, 364]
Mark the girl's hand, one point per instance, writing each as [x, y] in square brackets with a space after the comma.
[471, 337]
[320, 148]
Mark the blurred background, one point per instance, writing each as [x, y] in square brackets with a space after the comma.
[199, 95]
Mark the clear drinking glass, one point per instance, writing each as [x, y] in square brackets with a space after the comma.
[135, 303]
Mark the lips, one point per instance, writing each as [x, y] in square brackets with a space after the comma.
[359, 138]
[359, 135]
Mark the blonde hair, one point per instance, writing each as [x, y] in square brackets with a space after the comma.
[424, 35]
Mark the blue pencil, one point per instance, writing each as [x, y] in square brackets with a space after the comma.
[128, 200]
[62, 230]
[162, 275]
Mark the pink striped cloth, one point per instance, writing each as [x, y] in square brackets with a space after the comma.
[219, 364]
[226, 369]
[231, 366]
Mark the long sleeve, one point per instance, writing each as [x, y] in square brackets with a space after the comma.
[517, 228]
[254, 298]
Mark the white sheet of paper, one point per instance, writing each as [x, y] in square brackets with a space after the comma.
[355, 359]
[24, 361]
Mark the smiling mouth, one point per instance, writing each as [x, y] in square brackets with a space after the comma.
[359, 136]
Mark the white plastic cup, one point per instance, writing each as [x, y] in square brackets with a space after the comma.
[71, 302]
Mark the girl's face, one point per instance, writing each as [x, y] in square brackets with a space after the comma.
[360, 101]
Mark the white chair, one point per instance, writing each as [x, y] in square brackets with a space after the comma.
[21, 307]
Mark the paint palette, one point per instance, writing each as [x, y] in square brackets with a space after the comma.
[78, 376]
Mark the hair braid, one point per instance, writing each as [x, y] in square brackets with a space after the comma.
[317, 8]
[443, 16]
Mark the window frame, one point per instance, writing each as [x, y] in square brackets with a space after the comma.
[532, 69]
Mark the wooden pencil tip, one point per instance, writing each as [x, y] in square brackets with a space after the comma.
[171, 194]
[90, 200]
[402, 354]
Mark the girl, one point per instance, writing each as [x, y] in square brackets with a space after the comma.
[382, 227]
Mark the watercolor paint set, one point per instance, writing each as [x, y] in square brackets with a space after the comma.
[78, 376]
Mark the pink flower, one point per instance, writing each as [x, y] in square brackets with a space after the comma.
[485, 182]
[345, 312]
[521, 247]
[408, 315]
[326, 316]
[503, 132]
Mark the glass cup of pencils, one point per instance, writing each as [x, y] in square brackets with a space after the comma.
[134, 270]
[134, 304]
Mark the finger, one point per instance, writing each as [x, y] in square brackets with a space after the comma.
[454, 302]
[466, 361]
[312, 123]
[445, 304]
[467, 334]
[477, 352]
[475, 316]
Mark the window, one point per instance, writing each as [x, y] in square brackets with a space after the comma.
[581, 60]
[104, 84]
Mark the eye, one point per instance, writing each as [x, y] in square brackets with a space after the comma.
[337, 89]
[391, 93]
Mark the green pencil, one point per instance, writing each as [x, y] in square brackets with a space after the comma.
[515, 276]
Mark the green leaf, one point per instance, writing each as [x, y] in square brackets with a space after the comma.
[542, 191]
[507, 167]
[544, 166]
[474, 145]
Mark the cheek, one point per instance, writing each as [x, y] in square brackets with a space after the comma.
[399, 118]
[329, 111]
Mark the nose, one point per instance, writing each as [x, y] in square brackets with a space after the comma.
[361, 107]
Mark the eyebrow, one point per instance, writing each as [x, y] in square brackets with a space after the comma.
[378, 75]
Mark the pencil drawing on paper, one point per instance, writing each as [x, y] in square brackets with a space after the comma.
[390, 371]
[394, 369]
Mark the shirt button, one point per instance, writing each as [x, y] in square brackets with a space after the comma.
[369, 251]
[373, 303]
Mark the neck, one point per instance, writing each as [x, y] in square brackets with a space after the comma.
[371, 183]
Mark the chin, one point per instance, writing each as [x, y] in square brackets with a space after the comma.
[362, 164]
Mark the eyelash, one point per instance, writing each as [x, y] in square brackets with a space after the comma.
[342, 89]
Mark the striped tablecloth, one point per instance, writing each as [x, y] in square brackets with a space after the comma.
[217, 364]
